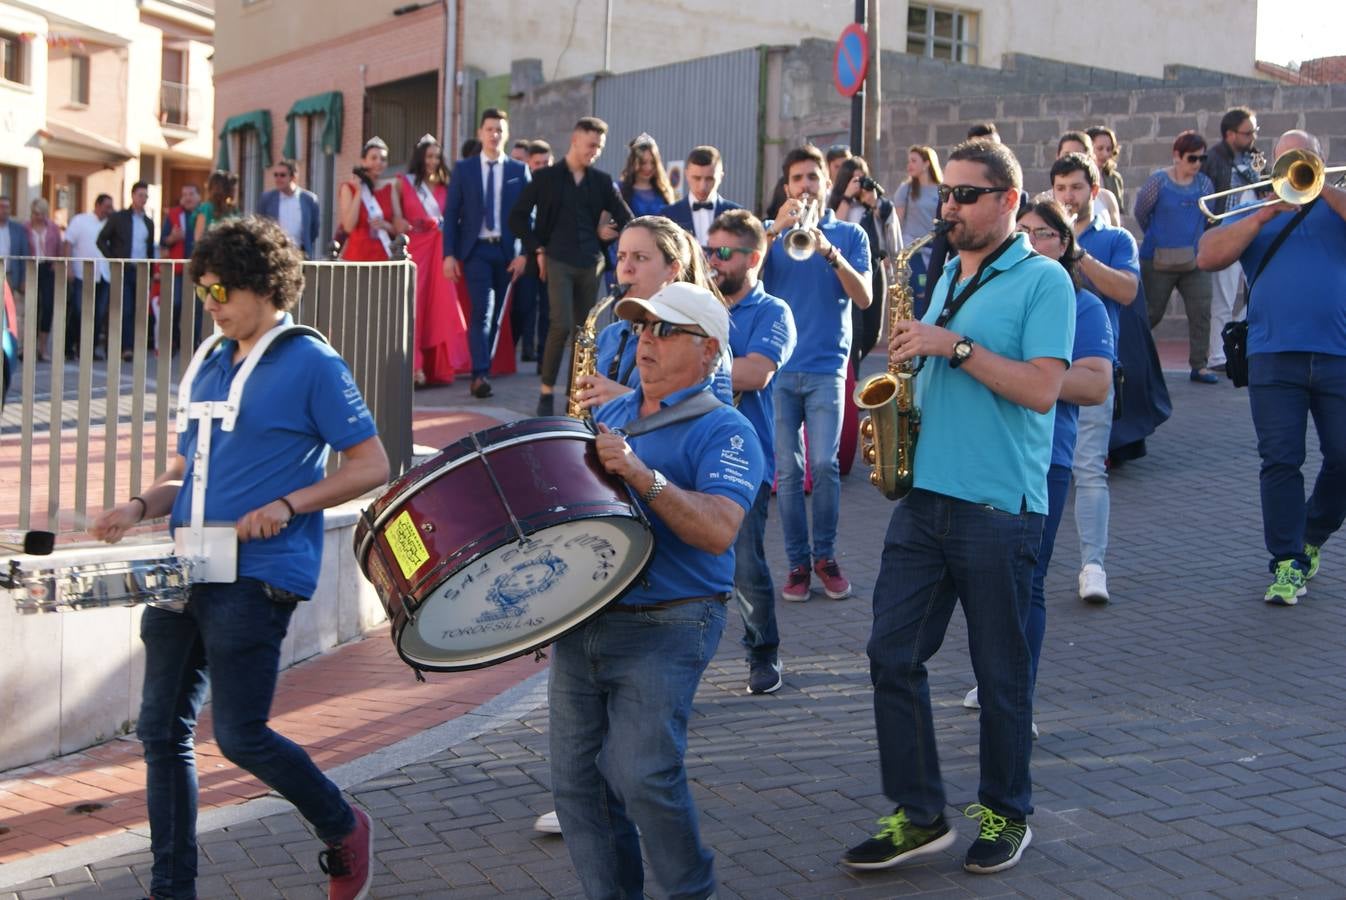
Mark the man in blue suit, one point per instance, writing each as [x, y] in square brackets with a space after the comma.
[13, 242]
[703, 203]
[478, 242]
[293, 207]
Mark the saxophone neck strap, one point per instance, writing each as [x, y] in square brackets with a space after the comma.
[983, 277]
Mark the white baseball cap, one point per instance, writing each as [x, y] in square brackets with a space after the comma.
[681, 303]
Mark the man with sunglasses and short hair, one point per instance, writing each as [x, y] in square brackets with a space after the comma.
[762, 337]
[1110, 268]
[294, 208]
[622, 683]
[810, 387]
[268, 475]
[969, 530]
[1231, 163]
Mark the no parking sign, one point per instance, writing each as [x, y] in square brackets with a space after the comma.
[850, 64]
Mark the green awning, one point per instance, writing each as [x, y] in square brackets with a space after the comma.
[258, 120]
[328, 105]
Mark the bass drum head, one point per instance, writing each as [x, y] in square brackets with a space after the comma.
[525, 594]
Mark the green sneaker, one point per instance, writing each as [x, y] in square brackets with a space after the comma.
[1312, 551]
[1288, 586]
[898, 841]
[1000, 844]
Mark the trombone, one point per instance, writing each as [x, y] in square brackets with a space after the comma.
[1297, 177]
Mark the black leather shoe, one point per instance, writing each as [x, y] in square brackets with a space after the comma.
[481, 388]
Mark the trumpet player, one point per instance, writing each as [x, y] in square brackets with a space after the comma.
[819, 265]
[997, 341]
[1295, 259]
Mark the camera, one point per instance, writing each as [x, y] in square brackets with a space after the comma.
[869, 184]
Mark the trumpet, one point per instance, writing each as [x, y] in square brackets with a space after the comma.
[800, 242]
[1297, 177]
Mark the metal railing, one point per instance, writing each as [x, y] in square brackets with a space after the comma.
[110, 405]
[176, 104]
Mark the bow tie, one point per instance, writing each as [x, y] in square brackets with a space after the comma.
[707, 205]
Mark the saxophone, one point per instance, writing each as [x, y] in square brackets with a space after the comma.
[584, 354]
[888, 434]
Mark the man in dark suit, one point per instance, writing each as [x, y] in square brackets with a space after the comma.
[567, 239]
[13, 243]
[703, 203]
[129, 234]
[479, 238]
[293, 207]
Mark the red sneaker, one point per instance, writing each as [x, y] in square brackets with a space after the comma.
[835, 584]
[796, 585]
[347, 863]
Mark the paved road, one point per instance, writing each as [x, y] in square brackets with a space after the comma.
[1192, 736]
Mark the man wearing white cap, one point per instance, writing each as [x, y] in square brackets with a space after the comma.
[622, 684]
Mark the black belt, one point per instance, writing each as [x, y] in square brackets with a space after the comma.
[666, 604]
[494, 240]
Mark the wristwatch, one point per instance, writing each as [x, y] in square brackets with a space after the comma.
[656, 487]
[961, 351]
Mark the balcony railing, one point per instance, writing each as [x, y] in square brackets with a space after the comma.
[176, 105]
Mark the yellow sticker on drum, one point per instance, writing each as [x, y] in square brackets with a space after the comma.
[406, 544]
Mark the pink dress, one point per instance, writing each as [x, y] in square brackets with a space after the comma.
[440, 337]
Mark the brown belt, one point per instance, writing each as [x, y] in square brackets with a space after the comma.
[666, 604]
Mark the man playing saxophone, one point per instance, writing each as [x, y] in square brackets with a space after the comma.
[997, 340]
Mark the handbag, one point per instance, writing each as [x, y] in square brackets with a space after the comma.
[1174, 259]
[1234, 335]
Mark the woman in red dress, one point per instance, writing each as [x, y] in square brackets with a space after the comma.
[365, 210]
[440, 343]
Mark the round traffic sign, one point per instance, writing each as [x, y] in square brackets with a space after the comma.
[850, 64]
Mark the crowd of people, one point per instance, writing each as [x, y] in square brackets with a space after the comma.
[739, 337]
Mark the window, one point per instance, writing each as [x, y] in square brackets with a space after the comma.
[13, 58]
[317, 170]
[79, 79]
[173, 94]
[942, 33]
[250, 169]
[400, 112]
[9, 185]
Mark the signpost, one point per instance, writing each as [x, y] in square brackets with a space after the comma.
[850, 63]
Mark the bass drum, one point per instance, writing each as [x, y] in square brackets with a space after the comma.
[502, 543]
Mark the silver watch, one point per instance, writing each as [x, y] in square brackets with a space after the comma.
[656, 487]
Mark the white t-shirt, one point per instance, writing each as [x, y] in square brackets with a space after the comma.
[82, 233]
[291, 218]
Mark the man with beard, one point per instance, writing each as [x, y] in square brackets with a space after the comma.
[996, 341]
[1232, 163]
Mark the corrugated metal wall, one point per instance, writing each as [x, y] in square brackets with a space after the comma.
[713, 100]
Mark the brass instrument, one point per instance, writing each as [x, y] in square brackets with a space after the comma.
[1297, 177]
[800, 242]
[584, 353]
[888, 434]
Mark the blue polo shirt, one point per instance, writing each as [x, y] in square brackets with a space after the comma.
[1093, 337]
[1298, 303]
[976, 445]
[812, 290]
[761, 323]
[1116, 249]
[617, 338]
[717, 453]
[299, 401]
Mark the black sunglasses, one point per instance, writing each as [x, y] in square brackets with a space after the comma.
[724, 254]
[662, 330]
[216, 292]
[966, 194]
[1195, 157]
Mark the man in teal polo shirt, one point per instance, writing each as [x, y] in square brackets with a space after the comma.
[970, 529]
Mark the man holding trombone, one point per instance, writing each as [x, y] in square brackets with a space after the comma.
[1293, 251]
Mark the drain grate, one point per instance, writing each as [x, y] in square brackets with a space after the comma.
[86, 808]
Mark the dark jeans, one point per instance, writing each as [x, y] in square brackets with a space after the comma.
[1284, 389]
[75, 312]
[487, 273]
[528, 314]
[752, 583]
[571, 293]
[1058, 485]
[46, 298]
[940, 551]
[131, 297]
[235, 632]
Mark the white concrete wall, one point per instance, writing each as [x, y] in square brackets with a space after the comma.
[72, 679]
[23, 108]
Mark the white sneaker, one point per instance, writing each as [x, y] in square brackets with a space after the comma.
[1093, 584]
[547, 823]
[971, 701]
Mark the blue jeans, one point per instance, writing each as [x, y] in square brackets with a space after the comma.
[621, 693]
[1058, 485]
[487, 273]
[1092, 502]
[940, 551]
[528, 315]
[1284, 389]
[234, 631]
[814, 400]
[752, 583]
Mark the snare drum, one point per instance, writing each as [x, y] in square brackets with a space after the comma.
[502, 543]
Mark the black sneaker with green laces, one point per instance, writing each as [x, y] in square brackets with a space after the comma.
[898, 841]
[999, 844]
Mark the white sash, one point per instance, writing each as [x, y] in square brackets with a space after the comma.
[427, 197]
[375, 211]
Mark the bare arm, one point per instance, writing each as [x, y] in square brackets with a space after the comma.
[1034, 384]
[752, 372]
[1114, 284]
[1087, 381]
[112, 524]
[704, 521]
[1221, 247]
[348, 206]
[860, 288]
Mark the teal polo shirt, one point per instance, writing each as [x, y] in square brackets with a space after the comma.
[974, 444]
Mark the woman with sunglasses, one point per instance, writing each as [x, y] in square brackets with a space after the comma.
[1086, 384]
[1167, 211]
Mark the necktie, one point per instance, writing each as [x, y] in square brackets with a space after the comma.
[490, 196]
[706, 205]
